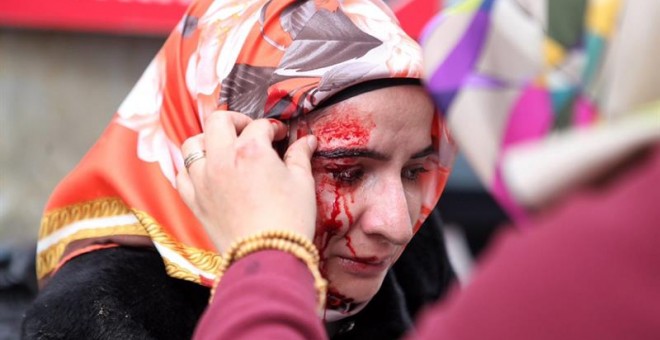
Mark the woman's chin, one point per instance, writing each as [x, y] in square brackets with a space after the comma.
[351, 288]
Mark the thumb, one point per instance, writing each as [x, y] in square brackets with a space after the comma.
[299, 155]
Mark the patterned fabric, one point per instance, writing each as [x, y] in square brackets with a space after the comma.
[276, 59]
[541, 96]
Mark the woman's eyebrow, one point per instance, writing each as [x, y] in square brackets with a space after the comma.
[350, 153]
[427, 151]
[365, 153]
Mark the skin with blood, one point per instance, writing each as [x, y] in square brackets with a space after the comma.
[337, 301]
[374, 121]
[346, 131]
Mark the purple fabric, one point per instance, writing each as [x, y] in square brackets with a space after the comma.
[443, 99]
[459, 64]
[483, 82]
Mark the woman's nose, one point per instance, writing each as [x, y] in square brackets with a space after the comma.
[386, 213]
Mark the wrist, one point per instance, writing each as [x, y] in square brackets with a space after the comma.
[279, 240]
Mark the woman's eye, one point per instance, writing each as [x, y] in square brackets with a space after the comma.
[347, 175]
[412, 174]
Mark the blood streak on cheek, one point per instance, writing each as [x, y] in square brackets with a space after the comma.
[347, 210]
[349, 245]
[329, 223]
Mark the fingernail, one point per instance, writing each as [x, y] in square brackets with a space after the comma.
[275, 122]
[311, 141]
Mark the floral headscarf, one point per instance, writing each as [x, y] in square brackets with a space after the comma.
[276, 59]
[542, 96]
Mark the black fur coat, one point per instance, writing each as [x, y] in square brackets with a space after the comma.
[124, 293]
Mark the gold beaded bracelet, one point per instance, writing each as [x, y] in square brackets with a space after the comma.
[276, 234]
[287, 241]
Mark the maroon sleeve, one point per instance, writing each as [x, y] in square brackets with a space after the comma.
[266, 295]
[588, 270]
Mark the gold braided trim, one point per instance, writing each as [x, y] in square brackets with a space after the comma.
[104, 207]
[52, 221]
[282, 240]
[204, 260]
[178, 272]
[48, 259]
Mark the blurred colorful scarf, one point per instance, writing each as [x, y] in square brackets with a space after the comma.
[277, 59]
[542, 96]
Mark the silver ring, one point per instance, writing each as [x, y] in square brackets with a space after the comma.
[193, 157]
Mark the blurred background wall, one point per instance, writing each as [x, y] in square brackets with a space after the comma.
[58, 90]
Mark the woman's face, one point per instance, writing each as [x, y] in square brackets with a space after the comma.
[373, 150]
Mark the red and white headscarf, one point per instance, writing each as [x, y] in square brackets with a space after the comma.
[276, 59]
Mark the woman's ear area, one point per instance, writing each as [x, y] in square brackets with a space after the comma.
[293, 130]
[296, 129]
[301, 126]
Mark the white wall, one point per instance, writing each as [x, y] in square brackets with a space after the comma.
[57, 92]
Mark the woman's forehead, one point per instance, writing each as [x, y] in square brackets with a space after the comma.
[375, 116]
[382, 103]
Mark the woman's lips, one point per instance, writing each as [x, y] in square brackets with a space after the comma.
[364, 266]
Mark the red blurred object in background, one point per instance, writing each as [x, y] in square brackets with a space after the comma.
[414, 14]
[148, 17]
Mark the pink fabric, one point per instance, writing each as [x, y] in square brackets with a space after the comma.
[531, 117]
[585, 112]
[506, 201]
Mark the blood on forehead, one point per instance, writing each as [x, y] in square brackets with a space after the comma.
[344, 128]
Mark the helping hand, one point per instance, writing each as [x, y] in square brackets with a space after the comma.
[242, 186]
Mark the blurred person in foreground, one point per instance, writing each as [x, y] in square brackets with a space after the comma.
[120, 256]
[557, 106]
